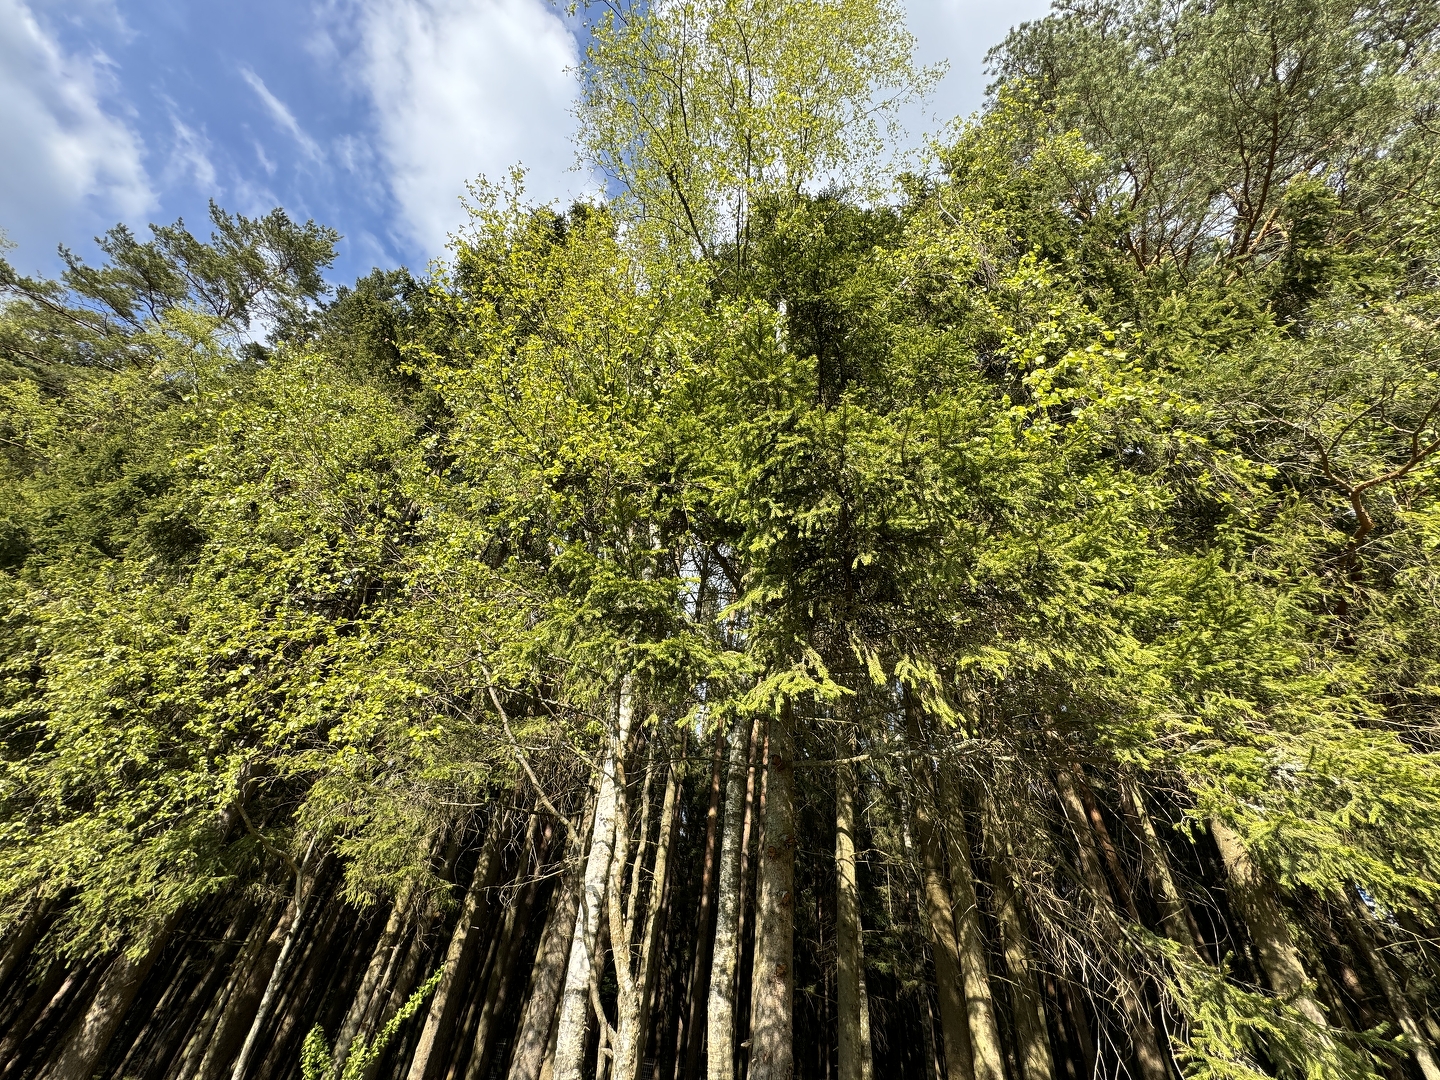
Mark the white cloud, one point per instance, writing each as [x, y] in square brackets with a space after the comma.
[281, 114]
[64, 155]
[190, 158]
[464, 87]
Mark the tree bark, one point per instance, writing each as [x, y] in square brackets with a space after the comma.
[702, 971]
[1420, 1046]
[533, 1039]
[1268, 929]
[850, 953]
[945, 947]
[656, 913]
[18, 944]
[1175, 918]
[720, 1018]
[445, 1002]
[772, 987]
[382, 958]
[90, 1036]
[252, 976]
[1148, 1057]
[1036, 1061]
[574, 1016]
[986, 1051]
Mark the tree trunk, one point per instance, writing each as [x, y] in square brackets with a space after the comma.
[382, 958]
[655, 916]
[90, 1036]
[1420, 1046]
[720, 1009]
[302, 900]
[1175, 918]
[574, 1016]
[252, 974]
[772, 987]
[850, 953]
[954, 1016]
[1268, 929]
[445, 1002]
[17, 945]
[534, 1038]
[702, 971]
[1146, 1041]
[986, 1051]
[1036, 1062]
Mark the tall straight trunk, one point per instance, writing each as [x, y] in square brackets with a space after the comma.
[252, 974]
[459, 955]
[1421, 1049]
[534, 1038]
[304, 897]
[517, 918]
[720, 1008]
[655, 916]
[867, 1055]
[986, 1050]
[51, 999]
[1106, 844]
[1036, 1062]
[17, 945]
[850, 955]
[1255, 899]
[573, 1022]
[1175, 917]
[382, 958]
[202, 1038]
[772, 987]
[702, 970]
[89, 1037]
[939, 907]
[1145, 1040]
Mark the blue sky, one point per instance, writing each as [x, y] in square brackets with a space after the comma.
[367, 115]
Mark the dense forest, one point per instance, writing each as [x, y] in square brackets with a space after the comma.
[806, 613]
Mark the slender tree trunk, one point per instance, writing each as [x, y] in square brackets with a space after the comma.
[1146, 1041]
[501, 971]
[304, 895]
[573, 1021]
[18, 944]
[986, 1050]
[702, 971]
[382, 958]
[772, 988]
[1256, 902]
[535, 1038]
[954, 1016]
[867, 1055]
[656, 914]
[1107, 846]
[445, 1002]
[720, 1009]
[90, 1036]
[51, 998]
[1420, 1046]
[850, 953]
[1175, 917]
[251, 977]
[1036, 1062]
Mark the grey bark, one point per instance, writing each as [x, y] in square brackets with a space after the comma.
[1415, 1036]
[90, 1036]
[1256, 903]
[850, 956]
[772, 984]
[445, 1002]
[535, 1038]
[986, 1050]
[720, 1018]
[573, 1021]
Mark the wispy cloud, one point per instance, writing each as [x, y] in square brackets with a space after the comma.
[281, 114]
[64, 152]
[460, 88]
[190, 158]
